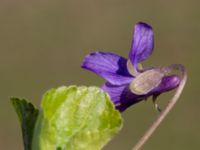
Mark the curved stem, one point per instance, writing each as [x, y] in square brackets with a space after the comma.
[167, 109]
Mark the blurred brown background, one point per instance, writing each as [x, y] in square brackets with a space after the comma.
[42, 44]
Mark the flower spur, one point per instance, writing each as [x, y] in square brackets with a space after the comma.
[127, 82]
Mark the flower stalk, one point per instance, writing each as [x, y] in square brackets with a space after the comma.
[167, 109]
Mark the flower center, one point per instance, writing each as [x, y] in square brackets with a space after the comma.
[146, 81]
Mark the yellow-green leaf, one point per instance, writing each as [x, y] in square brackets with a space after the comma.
[76, 118]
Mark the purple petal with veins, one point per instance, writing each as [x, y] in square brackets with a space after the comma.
[142, 43]
[109, 66]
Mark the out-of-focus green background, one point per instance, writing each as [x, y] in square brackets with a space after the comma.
[42, 44]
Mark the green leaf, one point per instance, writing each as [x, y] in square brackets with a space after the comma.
[76, 118]
[27, 115]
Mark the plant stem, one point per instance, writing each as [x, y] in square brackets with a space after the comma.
[167, 109]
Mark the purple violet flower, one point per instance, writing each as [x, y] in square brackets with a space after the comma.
[127, 82]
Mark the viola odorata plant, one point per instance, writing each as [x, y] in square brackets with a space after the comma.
[87, 118]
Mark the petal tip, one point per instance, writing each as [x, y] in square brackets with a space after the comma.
[143, 25]
[176, 80]
[142, 43]
[85, 60]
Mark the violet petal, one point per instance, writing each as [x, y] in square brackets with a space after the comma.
[142, 43]
[109, 66]
[168, 83]
[121, 96]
